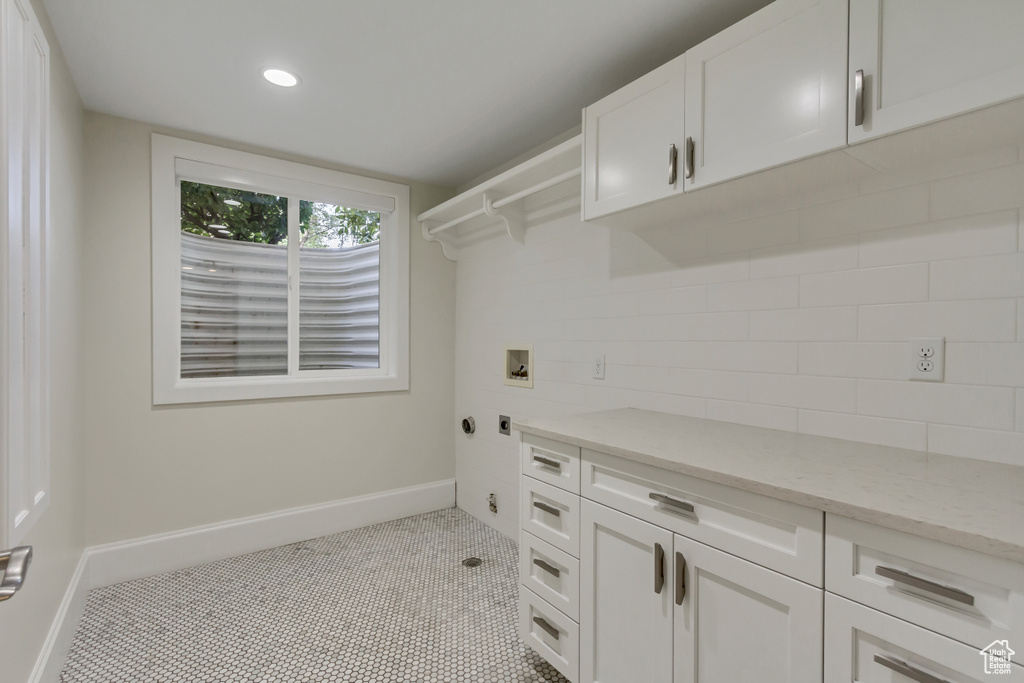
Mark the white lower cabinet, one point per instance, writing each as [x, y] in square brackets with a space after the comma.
[625, 598]
[659, 607]
[863, 645]
[737, 621]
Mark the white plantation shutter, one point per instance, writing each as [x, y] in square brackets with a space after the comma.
[234, 308]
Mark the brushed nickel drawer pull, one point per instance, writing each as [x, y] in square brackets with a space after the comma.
[659, 568]
[547, 461]
[906, 670]
[672, 164]
[858, 97]
[543, 623]
[673, 505]
[547, 508]
[546, 567]
[925, 585]
[680, 578]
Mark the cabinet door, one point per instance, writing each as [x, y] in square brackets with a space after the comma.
[767, 90]
[924, 60]
[625, 625]
[626, 143]
[741, 622]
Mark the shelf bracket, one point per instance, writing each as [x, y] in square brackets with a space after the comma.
[512, 214]
[448, 249]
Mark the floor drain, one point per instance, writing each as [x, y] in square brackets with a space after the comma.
[472, 562]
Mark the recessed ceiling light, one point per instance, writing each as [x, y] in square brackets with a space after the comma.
[280, 77]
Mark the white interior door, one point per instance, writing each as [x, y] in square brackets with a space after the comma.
[741, 622]
[924, 60]
[625, 624]
[24, 196]
[768, 90]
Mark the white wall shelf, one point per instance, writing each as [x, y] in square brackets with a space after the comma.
[509, 201]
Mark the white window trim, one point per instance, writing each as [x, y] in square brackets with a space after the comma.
[174, 158]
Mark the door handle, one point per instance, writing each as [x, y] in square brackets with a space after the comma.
[547, 462]
[671, 164]
[680, 578]
[689, 159]
[550, 509]
[659, 568]
[858, 97]
[14, 564]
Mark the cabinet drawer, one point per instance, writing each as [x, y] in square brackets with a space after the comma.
[552, 462]
[550, 573]
[551, 514]
[966, 595]
[554, 636]
[776, 534]
[866, 646]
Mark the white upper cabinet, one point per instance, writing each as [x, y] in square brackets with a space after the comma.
[767, 90]
[924, 60]
[632, 140]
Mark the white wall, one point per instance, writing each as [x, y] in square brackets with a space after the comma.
[58, 537]
[156, 469]
[793, 316]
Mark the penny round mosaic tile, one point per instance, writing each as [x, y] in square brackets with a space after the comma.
[389, 603]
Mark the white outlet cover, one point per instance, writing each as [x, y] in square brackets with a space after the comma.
[927, 359]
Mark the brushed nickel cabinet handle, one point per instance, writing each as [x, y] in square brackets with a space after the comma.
[659, 568]
[680, 578]
[925, 585]
[688, 159]
[14, 564]
[547, 508]
[546, 567]
[905, 669]
[858, 97]
[673, 505]
[547, 461]
[672, 164]
[543, 623]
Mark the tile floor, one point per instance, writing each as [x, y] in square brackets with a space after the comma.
[387, 603]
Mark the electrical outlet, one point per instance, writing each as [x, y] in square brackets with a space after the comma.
[599, 367]
[927, 359]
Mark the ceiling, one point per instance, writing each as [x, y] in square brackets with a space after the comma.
[431, 90]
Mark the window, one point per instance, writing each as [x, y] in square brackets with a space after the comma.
[272, 278]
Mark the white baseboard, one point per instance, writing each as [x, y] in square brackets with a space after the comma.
[105, 565]
[62, 631]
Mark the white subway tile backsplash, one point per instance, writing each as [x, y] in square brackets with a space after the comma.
[895, 284]
[799, 324]
[803, 391]
[1000, 365]
[997, 188]
[989, 320]
[753, 356]
[754, 295]
[806, 257]
[883, 431]
[980, 235]
[772, 417]
[711, 327]
[985, 277]
[952, 404]
[859, 360]
[792, 315]
[983, 444]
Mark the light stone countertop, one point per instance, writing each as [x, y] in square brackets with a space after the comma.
[969, 503]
